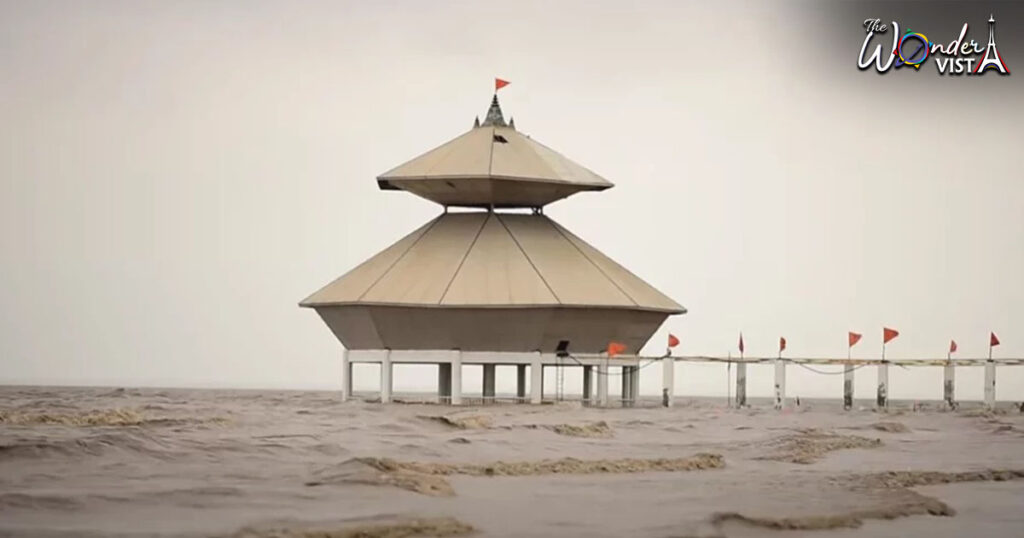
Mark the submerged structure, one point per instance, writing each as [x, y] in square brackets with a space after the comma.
[485, 280]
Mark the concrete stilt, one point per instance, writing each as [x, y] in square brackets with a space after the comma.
[588, 372]
[627, 386]
[346, 376]
[741, 384]
[668, 381]
[949, 385]
[990, 384]
[444, 383]
[882, 400]
[634, 384]
[602, 385]
[848, 386]
[385, 378]
[521, 381]
[536, 380]
[456, 398]
[780, 384]
[490, 373]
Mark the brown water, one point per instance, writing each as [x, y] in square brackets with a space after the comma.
[110, 462]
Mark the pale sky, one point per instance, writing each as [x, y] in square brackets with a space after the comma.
[176, 176]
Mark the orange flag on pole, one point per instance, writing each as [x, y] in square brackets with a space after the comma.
[741, 342]
[672, 340]
[952, 346]
[782, 344]
[888, 334]
[993, 340]
[853, 338]
[615, 348]
[499, 84]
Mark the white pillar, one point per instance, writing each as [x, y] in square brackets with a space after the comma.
[882, 400]
[634, 384]
[626, 385]
[536, 379]
[346, 376]
[990, 384]
[490, 373]
[521, 382]
[949, 385]
[668, 381]
[385, 378]
[780, 384]
[444, 382]
[848, 386]
[741, 384]
[602, 384]
[588, 383]
[457, 378]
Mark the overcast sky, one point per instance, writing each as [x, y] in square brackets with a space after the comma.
[176, 176]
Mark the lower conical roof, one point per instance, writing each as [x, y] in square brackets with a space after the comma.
[492, 260]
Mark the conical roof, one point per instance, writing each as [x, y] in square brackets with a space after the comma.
[492, 165]
[488, 259]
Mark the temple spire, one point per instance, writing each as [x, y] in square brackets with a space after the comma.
[494, 116]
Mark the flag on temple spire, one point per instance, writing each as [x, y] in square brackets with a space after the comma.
[952, 346]
[853, 338]
[993, 340]
[615, 348]
[741, 342]
[888, 334]
[782, 344]
[673, 341]
[499, 84]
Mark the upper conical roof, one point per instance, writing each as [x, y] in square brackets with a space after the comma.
[492, 165]
[492, 260]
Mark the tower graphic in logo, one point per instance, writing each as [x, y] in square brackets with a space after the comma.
[992, 57]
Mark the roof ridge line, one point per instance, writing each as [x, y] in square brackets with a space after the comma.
[490, 156]
[399, 258]
[561, 231]
[463, 260]
[528, 259]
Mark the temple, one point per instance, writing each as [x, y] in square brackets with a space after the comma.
[486, 281]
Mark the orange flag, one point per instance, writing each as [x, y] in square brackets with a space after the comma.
[993, 340]
[615, 348]
[888, 334]
[782, 344]
[952, 346]
[853, 338]
[672, 340]
[499, 84]
[741, 342]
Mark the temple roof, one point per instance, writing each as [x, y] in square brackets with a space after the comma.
[488, 259]
[492, 165]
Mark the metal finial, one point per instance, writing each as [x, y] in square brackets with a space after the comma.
[494, 116]
[476, 122]
[511, 122]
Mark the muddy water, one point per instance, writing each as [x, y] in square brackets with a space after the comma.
[115, 462]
